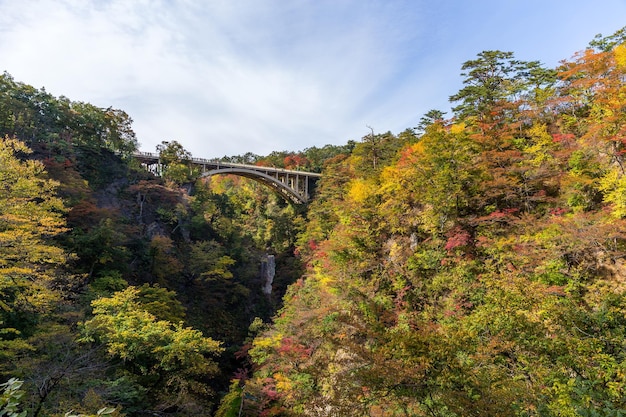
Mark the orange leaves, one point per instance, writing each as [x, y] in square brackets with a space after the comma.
[594, 83]
[295, 161]
[409, 155]
[478, 269]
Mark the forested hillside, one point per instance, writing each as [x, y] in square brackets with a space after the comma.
[119, 288]
[472, 265]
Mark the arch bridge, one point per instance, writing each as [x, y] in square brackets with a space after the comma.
[295, 186]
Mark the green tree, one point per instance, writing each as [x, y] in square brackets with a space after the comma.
[168, 359]
[161, 302]
[438, 174]
[376, 151]
[100, 246]
[429, 118]
[164, 265]
[57, 125]
[491, 78]
[496, 86]
[607, 43]
[208, 261]
[318, 157]
[10, 398]
[176, 162]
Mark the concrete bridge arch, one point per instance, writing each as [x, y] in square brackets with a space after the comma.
[287, 191]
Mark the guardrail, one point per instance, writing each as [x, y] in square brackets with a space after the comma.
[217, 163]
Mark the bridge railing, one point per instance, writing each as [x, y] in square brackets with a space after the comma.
[217, 163]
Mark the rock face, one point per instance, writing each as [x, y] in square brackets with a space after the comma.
[268, 270]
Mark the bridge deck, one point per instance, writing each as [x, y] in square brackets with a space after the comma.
[153, 158]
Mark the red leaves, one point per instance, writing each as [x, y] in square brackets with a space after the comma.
[558, 211]
[293, 350]
[86, 215]
[294, 161]
[563, 137]
[457, 238]
[504, 213]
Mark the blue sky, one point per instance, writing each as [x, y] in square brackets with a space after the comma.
[226, 77]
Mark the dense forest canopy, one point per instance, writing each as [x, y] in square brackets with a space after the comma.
[471, 265]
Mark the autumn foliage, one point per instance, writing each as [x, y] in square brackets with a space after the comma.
[472, 268]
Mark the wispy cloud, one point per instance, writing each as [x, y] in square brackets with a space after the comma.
[232, 76]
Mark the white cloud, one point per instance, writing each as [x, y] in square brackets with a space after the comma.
[226, 77]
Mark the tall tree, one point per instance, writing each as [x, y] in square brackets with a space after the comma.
[176, 162]
[429, 118]
[592, 97]
[494, 79]
[30, 217]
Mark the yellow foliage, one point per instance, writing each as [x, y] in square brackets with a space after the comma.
[457, 128]
[541, 146]
[130, 332]
[360, 190]
[30, 215]
[283, 383]
[620, 56]
[417, 148]
[389, 177]
[355, 161]
[613, 185]
[395, 177]
[326, 280]
[272, 341]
